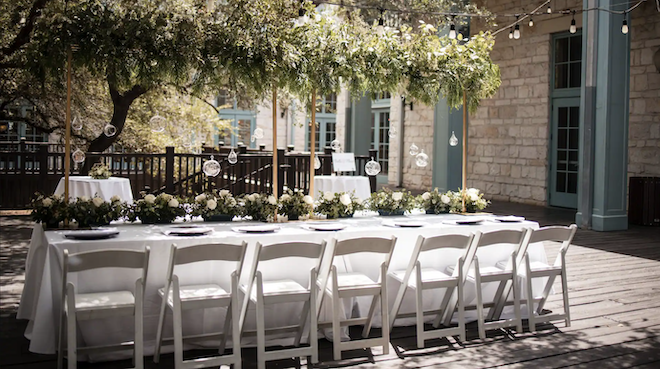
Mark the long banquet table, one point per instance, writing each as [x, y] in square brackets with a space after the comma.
[42, 292]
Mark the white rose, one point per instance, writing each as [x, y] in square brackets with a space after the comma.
[308, 200]
[358, 200]
[199, 198]
[47, 202]
[150, 199]
[211, 204]
[272, 200]
[251, 198]
[97, 201]
[474, 197]
[173, 203]
[224, 193]
[56, 197]
[166, 196]
[115, 198]
[345, 199]
[84, 198]
[328, 196]
[397, 196]
[285, 197]
[426, 196]
[473, 191]
[445, 199]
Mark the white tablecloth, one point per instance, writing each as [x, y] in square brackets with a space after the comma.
[42, 293]
[105, 188]
[359, 184]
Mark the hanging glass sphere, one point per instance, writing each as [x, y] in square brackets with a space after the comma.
[317, 162]
[422, 159]
[232, 158]
[78, 156]
[414, 150]
[76, 123]
[211, 167]
[372, 167]
[335, 145]
[453, 141]
[392, 132]
[258, 133]
[157, 123]
[110, 130]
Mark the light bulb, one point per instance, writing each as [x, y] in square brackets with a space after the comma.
[232, 158]
[531, 22]
[624, 27]
[573, 28]
[77, 123]
[516, 32]
[452, 31]
[549, 9]
[511, 35]
[453, 140]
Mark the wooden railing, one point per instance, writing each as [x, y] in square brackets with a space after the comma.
[37, 167]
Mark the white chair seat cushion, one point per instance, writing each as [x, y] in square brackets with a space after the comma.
[279, 287]
[196, 292]
[347, 280]
[114, 299]
[428, 275]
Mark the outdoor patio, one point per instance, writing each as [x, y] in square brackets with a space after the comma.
[613, 279]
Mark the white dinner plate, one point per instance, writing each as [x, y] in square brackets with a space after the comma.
[508, 219]
[187, 230]
[332, 226]
[473, 221]
[91, 234]
[404, 223]
[257, 229]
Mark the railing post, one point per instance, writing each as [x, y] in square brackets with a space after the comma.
[326, 167]
[373, 153]
[241, 168]
[43, 165]
[281, 160]
[22, 149]
[169, 169]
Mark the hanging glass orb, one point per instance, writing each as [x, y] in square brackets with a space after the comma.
[109, 130]
[258, 133]
[422, 159]
[392, 132]
[317, 162]
[414, 150]
[232, 158]
[157, 123]
[453, 141]
[211, 167]
[76, 124]
[335, 145]
[372, 167]
[78, 156]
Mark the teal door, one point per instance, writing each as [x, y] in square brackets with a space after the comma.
[380, 140]
[564, 154]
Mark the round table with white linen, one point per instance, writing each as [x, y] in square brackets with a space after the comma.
[359, 184]
[105, 188]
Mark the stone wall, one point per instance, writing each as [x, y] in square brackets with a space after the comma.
[418, 130]
[644, 126]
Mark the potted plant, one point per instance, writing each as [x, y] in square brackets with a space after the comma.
[387, 202]
[95, 211]
[49, 210]
[474, 201]
[435, 202]
[338, 205]
[260, 207]
[152, 209]
[295, 204]
[100, 171]
[215, 206]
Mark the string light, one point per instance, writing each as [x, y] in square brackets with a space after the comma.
[452, 29]
[549, 10]
[516, 30]
[573, 28]
[531, 22]
[511, 34]
[624, 26]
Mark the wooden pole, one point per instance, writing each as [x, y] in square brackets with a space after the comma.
[67, 130]
[464, 167]
[312, 145]
[274, 180]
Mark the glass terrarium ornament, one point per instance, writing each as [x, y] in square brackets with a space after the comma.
[78, 156]
[453, 141]
[258, 134]
[392, 132]
[317, 162]
[211, 167]
[109, 130]
[422, 159]
[413, 150]
[76, 123]
[372, 167]
[335, 145]
[232, 158]
[157, 123]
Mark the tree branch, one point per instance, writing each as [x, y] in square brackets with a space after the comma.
[24, 35]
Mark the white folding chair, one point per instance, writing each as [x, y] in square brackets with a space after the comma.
[419, 278]
[272, 285]
[179, 298]
[507, 278]
[354, 283]
[537, 269]
[85, 306]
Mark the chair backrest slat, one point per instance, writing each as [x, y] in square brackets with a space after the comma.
[554, 233]
[367, 244]
[501, 236]
[308, 250]
[105, 259]
[210, 252]
[457, 241]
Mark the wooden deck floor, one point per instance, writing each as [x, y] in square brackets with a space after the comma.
[614, 283]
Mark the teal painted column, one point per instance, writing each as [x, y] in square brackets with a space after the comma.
[602, 191]
[360, 140]
[447, 168]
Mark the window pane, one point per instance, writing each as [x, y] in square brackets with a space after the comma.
[561, 182]
[244, 127]
[575, 74]
[373, 131]
[561, 76]
[572, 183]
[561, 160]
[563, 117]
[224, 100]
[561, 50]
[574, 119]
[331, 104]
[573, 161]
[573, 137]
[576, 48]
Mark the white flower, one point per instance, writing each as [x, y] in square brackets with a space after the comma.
[358, 200]
[97, 201]
[397, 196]
[328, 196]
[224, 193]
[212, 204]
[56, 197]
[166, 196]
[308, 200]
[84, 198]
[199, 198]
[426, 196]
[473, 191]
[173, 203]
[345, 199]
[445, 199]
[473, 196]
[251, 198]
[47, 202]
[150, 199]
[285, 197]
[272, 200]
[115, 198]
